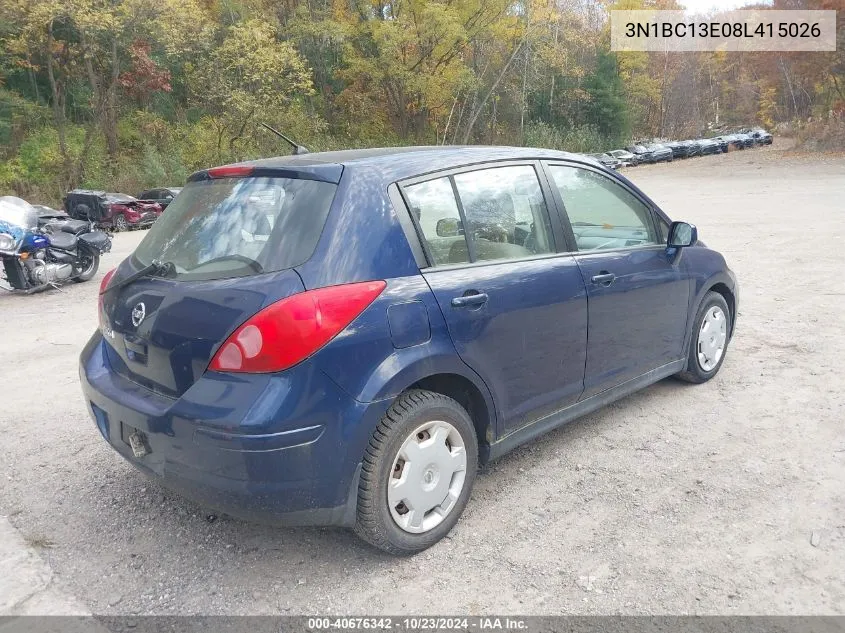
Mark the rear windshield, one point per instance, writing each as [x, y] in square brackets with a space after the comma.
[235, 227]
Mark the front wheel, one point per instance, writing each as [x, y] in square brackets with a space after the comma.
[417, 473]
[119, 222]
[709, 340]
[89, 263]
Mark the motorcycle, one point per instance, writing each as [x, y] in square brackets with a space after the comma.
[40, 255]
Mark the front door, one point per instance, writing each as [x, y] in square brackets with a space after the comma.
[638, 293]
[516, 311]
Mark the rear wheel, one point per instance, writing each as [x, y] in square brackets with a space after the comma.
[119, 222]
[89, 263]
[709, 340]
[417, 473]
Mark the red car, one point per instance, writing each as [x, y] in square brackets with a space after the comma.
[116, 210]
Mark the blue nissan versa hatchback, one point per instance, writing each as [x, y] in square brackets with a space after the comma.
[342, 338]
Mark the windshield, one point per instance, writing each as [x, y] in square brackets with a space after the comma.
[18, 213]
[233, 227]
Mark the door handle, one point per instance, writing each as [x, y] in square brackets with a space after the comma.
[604, 278]
[475, 299]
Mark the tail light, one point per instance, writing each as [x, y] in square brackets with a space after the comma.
[103, 285]
[289, 331]
[230, 171]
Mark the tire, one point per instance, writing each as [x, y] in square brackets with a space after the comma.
[89, 272]
[377, 517]
[703, 368]
[119, 223]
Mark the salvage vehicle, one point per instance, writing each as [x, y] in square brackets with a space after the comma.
[661, 153]
[730, 142]
[607, 160]
[643, 154]
[163, 196]
[342, 338]
[761, 136]
[724, 144]
[628, 159]
[744, 140]
[709, 146]
[39, 254]
[693, 148]
[117, 211]
[680, 149]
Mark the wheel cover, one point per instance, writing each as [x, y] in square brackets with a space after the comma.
[120, 222]
[712, 338]
[427, 477]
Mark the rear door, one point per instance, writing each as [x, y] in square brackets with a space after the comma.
[638, 292]
[515, 308]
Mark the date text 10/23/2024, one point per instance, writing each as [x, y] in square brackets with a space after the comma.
[417, 623]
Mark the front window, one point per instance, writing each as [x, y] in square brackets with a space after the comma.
[603, 214]
[234, 227]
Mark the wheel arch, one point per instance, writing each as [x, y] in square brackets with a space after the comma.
[730, 299]
[722, 284]
[470, 397]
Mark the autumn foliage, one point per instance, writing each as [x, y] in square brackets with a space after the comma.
[126, 94]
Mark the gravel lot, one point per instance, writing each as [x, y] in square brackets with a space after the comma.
[727, 497]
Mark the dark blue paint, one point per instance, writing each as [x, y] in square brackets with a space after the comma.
[545, 345]
[637, 323]
[528, 341]
[408, 323]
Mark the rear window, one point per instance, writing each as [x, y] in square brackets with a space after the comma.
[235, 227]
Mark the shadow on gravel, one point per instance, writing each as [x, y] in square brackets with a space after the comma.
[149, 519]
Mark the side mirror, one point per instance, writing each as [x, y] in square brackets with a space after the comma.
[449, 227]
[682, 234]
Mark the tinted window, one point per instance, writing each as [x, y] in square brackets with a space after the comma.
[239, 226]
[603, 214]
[433, 205]
[505, 212]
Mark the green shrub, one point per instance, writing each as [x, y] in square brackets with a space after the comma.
[584, 139]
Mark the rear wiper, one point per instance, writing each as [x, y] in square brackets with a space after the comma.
[154, 269]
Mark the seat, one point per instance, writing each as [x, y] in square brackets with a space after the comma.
[63, 241]
[75, 227]
[487, 251]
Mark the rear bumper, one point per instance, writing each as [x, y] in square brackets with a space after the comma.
[282, 449]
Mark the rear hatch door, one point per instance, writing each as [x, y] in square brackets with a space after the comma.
[232, 244]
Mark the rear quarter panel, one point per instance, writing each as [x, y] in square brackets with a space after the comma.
[362, 239]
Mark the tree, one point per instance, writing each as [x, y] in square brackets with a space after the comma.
[606, 108]
[251, 72]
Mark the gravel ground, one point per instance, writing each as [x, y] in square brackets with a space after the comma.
[727, 497]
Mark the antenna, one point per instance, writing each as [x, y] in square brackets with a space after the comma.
[297, 149]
